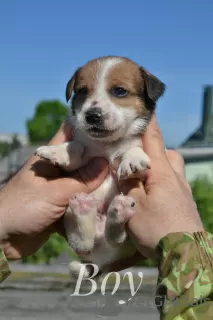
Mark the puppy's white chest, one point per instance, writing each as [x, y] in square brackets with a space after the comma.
[108, 189]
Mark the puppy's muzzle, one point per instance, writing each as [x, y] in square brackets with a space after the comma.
[94, 116]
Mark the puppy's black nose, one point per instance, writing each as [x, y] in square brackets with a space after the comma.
[94, 116]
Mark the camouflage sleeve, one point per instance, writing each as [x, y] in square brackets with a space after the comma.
[4, 267]
[185, 282]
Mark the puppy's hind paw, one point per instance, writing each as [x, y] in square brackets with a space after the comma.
[121, 209]
[76, 267]
[83, 203]
[82, 231]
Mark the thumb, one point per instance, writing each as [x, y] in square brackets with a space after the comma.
[153, 143]
[176, 162]
[91, 176]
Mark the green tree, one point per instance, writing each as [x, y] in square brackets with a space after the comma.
[202, 190]
[46, 121]
[4, 149]
[15, 144]
[7, 147]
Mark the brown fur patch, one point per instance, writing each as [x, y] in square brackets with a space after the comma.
[86, 77]
[143, 88]
[128, 76]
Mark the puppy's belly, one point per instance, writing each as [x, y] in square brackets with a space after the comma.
[107, 190]
[105, 193]
[103, 253]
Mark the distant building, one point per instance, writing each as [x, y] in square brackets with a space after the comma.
[197, 149]
[203, 136]
[198, 161]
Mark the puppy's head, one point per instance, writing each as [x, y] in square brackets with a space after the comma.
[113, 98]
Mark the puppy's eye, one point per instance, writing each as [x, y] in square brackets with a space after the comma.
[82, 91]
[119, 92]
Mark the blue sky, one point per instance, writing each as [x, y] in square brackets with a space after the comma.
[43, 42]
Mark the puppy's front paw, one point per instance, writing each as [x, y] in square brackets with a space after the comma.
[55, 154]
[44, 152]
[133, 165]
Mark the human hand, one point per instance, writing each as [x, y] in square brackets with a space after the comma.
[164, 202]
[32, 205]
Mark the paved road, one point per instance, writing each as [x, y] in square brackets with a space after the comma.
[40, 305]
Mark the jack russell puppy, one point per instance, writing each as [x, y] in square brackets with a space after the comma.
[113, 100]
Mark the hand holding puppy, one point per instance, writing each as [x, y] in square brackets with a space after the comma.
[164, 204]
[32, 205]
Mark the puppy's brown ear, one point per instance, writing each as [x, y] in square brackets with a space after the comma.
[153, 86]
[70, 87]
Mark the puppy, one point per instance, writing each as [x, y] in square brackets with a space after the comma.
[112, 102]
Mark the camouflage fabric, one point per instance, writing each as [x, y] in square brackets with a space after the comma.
[185, 282]
[4, 267]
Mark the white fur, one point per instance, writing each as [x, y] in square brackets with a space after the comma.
[125, 144]
[131, 153]
[121, 119]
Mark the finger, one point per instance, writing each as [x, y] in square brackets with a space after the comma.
[86, 179]
[93, 174]
[20, 248]
[153, 141]
[176, 161]
[133, 187]
[64, 134]
[59, 227]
